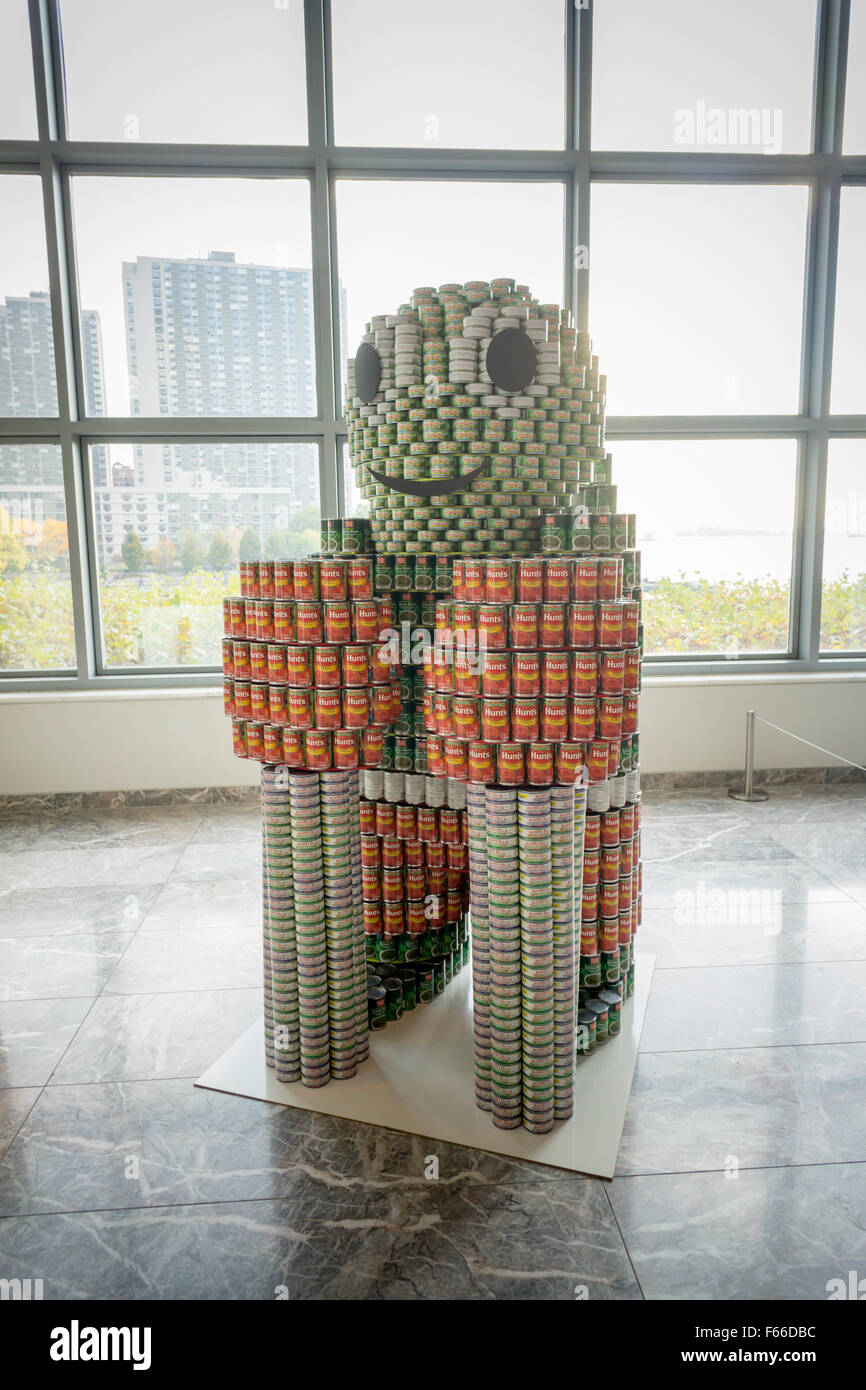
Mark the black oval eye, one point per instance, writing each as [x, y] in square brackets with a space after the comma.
[368, 372]
[511, 360]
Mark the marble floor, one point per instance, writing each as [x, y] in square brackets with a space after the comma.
[129, 959]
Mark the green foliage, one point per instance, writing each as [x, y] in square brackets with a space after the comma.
[219, 556]
[250, 546]
[13, 555]
[278, 545]
[192, 556]
[133, 552]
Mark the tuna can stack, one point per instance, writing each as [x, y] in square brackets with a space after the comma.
[314, 971]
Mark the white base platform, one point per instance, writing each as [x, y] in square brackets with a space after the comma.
[419, 1078]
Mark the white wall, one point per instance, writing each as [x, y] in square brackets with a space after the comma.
[112, 741]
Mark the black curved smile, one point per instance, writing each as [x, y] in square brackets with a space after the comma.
[438, 487]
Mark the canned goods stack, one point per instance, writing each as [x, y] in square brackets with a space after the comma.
[599, 1016]
[315, 985]
[480, 923]
[610, 897]
[307, 680]
[414, 867]
[395, 990]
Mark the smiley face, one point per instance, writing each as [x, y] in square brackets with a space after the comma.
[464, 403]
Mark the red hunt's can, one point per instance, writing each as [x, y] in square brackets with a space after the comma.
[345, 749]
[285, 620]
[367, 823]
[326, 667]
[300, 709]
[625, 927]
[332, 579]
[372, 918]
[613, 753]
[589, 903]
[609, 828]
[299, 666]
[356, 707]
[499, 581]
[318, 750]
[554, 720]
[609, 863]
[250, 619]
[609, 623]
[434, 853]
[524, 626]
[596, 760]
[359, 575]
[554, 673]
[524, 720]
[581, 718]
[273, 742]
[584, 673]
[585, 579]
[261, 703]
[481, 762]
[526, 674]
[277, 664]
[466, 710]
[266, 579]
[356, 665]
[443, 671]
[609, 934]
[406, 823]
[371, 882]
[552, 629]
[474, 581]
[611, 672]
[327, 709]
[386, 819]
[455, 763]
[381, 705]
[557, 581]
[631, 679]
[255, 742]
[510, 764]
[306, 579]
[376, 661]
[435, 757]
[626, 822]
[610, 577]
[237, 617]
[539, 764]
[626, 856]
[416, 882]
[630, 622]
[310, 625]
[591, 865]
[496, 675]
[279, 703]
[338, 622]
[457, 577]
[467, 677]
[625, 892]
[228, 657]
[265, 620]
[445, 613]
[241, 660]
[365, 620]
[372, 744]
[386, 612]
[428, 824]
[249, 579]
[239, 738]
[392, 885]
[430, 711]
[243, 699]
[610, 716]
[416, 920]
[592, 832]
[228, 695]
[413, 851]
[493, 626]
[569, 762]
[443, 714]
[581, 625]
[529, 581]
[284, 581]
[258, 661]
[495, 724]
[630, 714]
[462, 617]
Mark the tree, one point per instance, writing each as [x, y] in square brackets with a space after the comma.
[249, 548]
[278, 545]
[13, 556]
[133, 552]
[162, 555]
[54, 545]
[192, 556]
[219, 556]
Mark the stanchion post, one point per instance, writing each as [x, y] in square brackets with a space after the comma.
[748, 792]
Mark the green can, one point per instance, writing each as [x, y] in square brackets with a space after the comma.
[384, 573]
[590, 972]
[585, 1035]
[376, 1008]
[335, 535]
[419, 761]
[410, 989]
[602, 1019]
[554, 532]
[404, 753]
[425, 571]
[393, 999]
[424, 984]
[323, 536]
[404, 573]
[580, 532]
[439, 976]
[444, 573]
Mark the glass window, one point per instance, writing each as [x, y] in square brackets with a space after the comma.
[203, 289]
[17, 99]
[696, 296]
[27, 380]
[715, 521]
[225, 72]
[36, 625]
[353, 503]
[854, 130]
[843, 595]
[171, 522]
[490, 74]
[675, 75]
[442, 231]
[848, 393]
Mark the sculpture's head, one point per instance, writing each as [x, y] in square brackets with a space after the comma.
[471, 411]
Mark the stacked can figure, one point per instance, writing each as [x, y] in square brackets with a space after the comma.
[480, 923]
[566, 947]
[506, 1057]
[538, 1021]
[310, 920]
[282, 1032]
